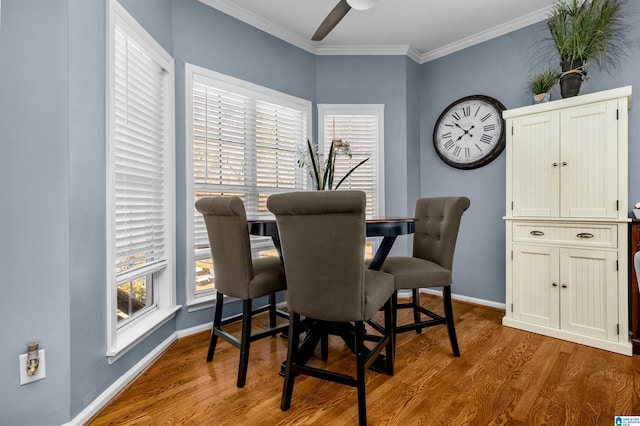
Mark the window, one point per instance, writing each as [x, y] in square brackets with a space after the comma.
[362, 126]
[241, 140]
[140, 183]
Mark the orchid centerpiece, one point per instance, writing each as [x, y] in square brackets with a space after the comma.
[322, 172]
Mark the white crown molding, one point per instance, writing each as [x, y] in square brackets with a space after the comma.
[369, 50]
[480, 37]
[228, 7]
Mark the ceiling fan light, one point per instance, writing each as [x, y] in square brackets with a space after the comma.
[361, 4]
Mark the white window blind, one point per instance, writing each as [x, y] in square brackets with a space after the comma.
[139, 161]
[242, 141]
[362, 129]
[140, 183]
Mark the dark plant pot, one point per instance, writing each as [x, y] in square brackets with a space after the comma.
[571, 82]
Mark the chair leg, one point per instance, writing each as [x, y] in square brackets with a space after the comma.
[217, 323]
[394, 319]
[292, 355]
[272, 311]
[448, 313]
[416, 302]
[389, 327]
[245, 342]
[324, 347]
[360, 373]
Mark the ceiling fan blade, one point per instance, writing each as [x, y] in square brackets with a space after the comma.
[332, 19]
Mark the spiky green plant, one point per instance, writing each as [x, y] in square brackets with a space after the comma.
[543, 81]
[589, 30]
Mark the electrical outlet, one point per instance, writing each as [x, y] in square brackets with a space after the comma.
[40, 374]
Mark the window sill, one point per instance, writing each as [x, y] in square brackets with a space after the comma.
[200, 303]
[129, 337]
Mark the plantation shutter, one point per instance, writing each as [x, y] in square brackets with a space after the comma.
[139, 161]
[242, 146]
[361, 131]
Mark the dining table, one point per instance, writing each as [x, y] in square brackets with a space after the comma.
[389, 228]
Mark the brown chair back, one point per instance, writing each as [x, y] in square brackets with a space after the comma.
[437, 224]
[226, 222]
[322, 234]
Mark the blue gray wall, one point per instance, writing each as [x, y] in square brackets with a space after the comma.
[52, 167]
[34, 212]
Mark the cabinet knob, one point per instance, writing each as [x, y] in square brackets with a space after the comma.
[564, 163]
[554, 284]
[555, 164]
[536, 233]
[564, 286]
[585, 235]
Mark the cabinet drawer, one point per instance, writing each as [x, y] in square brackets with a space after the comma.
[574, 234]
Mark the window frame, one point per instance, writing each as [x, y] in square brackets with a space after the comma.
[120, 339]
[224, 82]
[359, 109]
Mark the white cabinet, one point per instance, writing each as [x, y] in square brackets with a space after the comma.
[572, 156]
[566, 221]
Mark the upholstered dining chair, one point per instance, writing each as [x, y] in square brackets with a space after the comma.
[238, 275]
[322, 235]
[434, 241]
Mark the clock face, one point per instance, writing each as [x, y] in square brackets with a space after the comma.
[470, 132]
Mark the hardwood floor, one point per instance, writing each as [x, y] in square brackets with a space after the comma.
[504, 376]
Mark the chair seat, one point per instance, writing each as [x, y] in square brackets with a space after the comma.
[413, 272]
[378, 287]
[268, 277]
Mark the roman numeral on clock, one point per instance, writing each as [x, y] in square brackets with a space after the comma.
[455, 115]
[485, 138]
[456, 151]
[466, 111]
[449, 144]
[489, 127]
[446, 135]
[486, 117]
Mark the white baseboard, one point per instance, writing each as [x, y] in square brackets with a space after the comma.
[462, 298]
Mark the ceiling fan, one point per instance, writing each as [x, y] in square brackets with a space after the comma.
[339, 12]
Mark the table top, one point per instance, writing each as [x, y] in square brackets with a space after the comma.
[376, 226]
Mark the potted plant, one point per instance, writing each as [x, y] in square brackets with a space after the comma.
[585, 32]
[322, 173]
[541, 84]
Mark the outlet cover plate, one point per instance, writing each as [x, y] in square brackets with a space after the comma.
[40, 374]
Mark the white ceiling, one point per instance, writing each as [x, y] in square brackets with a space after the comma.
[422, 29]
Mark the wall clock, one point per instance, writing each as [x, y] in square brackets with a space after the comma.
[470, 132]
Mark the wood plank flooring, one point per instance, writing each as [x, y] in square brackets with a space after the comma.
[504, 377]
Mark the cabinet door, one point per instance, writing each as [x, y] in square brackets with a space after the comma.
[535, 171]
[535, 284]
[589, 292]
[589, 161]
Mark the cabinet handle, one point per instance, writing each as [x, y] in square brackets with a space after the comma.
[554, 284]
[585, 235]
[536, 233]
[564, 286]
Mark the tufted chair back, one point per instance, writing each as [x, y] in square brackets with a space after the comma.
[437, 224]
